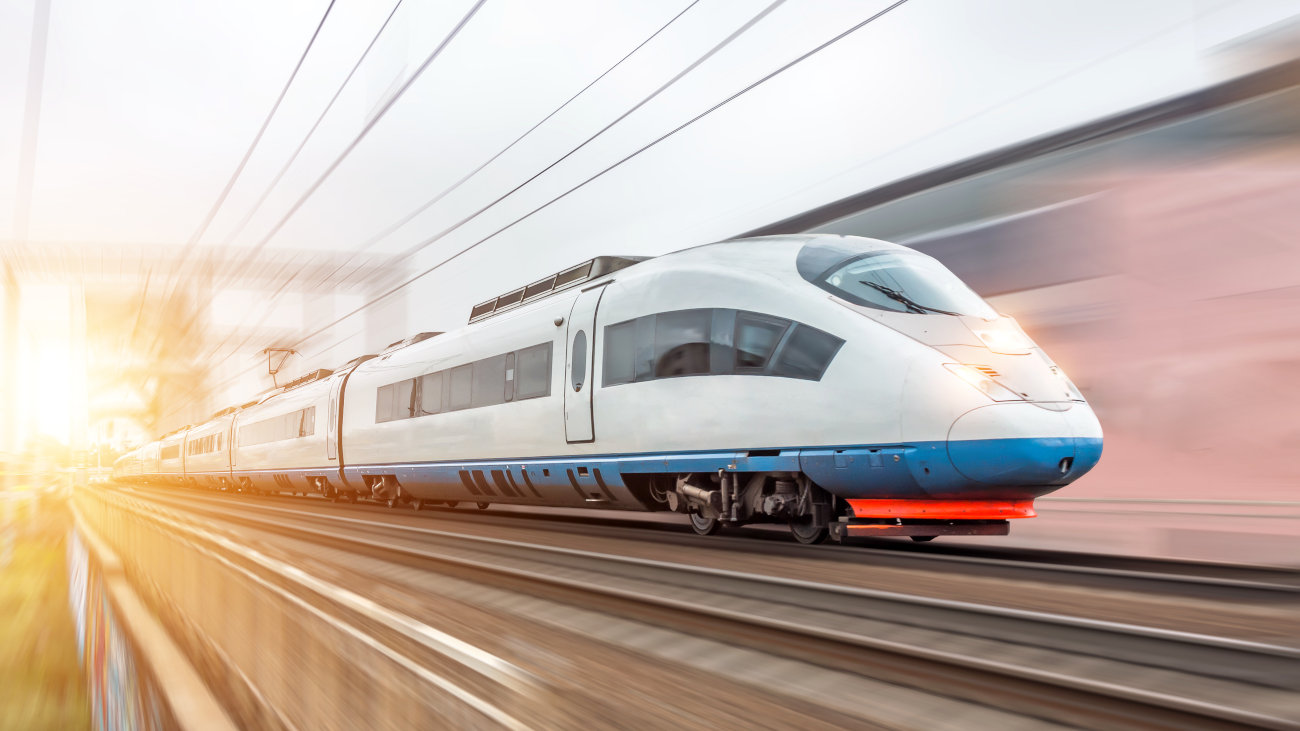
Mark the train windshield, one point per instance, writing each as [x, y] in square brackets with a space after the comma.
[903, 281]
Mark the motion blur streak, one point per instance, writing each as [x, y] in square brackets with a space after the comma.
[1162, 270]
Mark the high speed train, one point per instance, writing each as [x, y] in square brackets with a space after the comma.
[844, 386]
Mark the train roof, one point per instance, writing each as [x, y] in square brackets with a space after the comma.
[547, 286]
[399, 344]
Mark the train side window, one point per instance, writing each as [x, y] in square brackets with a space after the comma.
[578, 372]
[462, 381]
[510, 376]
[533, 372]
[431, 393]
[645, 348]
[682, 343]
[489, 384]
[756, 338]
[806, 353]
[404, 399]
[384, 403]
[620, 352]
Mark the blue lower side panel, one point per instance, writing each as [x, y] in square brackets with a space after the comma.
[284, 480]
[976, 469]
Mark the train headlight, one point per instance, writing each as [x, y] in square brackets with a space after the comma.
[1007, 338]
[983, 383]
[1071, 390]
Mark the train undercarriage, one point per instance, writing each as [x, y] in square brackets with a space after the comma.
[729, 499]
[713, 501]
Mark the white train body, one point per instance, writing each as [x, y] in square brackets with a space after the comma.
[801, 379]
[207, 453]
[279, 443]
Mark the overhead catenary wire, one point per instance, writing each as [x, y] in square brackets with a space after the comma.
[374, 239]
[257, 205]
[663, 87]
[398, 287]
[365, 130]
[365, 245]
[248, 154]
[767, 77]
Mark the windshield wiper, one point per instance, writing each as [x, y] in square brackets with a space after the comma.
[908, 302]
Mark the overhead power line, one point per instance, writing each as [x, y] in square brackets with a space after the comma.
[307, 138]
[248, 154]
[252, 251]
[398, 287]
[465, 178]
[358, 252]
[311, 189]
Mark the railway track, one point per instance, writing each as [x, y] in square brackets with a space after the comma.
[1190, 579]
[1060, 668]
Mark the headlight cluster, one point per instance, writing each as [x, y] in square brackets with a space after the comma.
[1004, 337]
[983, 383]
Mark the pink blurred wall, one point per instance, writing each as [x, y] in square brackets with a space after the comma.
[1191, 356]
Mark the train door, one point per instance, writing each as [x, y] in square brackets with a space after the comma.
[579, 375]
[332, 431]
[232, 440]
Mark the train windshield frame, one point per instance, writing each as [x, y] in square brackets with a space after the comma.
[898, 280]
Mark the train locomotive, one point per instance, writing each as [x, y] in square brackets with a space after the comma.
[842, 386]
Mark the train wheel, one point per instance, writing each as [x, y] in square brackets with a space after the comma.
[417, 504]
[483, 506]
[704, 526]
[806, 530]
[452, 503]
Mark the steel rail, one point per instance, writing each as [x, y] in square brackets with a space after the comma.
[1021, 685]
[338, 606]
[1193, 579]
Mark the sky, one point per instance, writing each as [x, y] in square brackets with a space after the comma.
[148, 107]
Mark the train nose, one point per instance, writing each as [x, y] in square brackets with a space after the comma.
[1023, 444]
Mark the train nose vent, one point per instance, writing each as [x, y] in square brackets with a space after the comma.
[986, 370]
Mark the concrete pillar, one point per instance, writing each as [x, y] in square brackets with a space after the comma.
[9, 445]
[78, 415]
